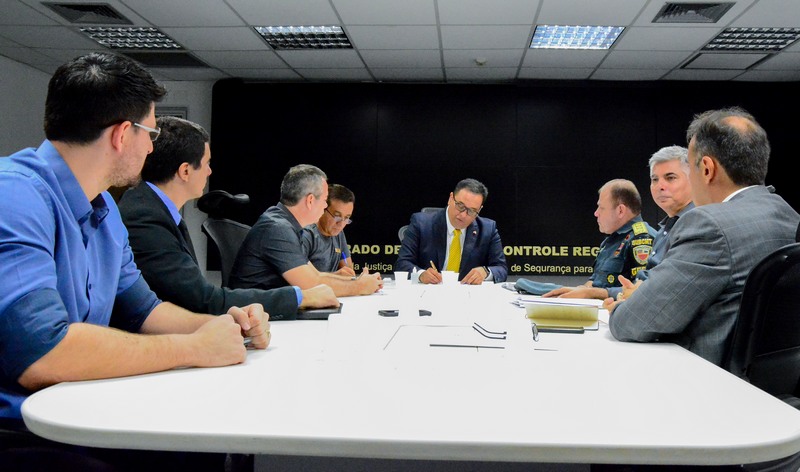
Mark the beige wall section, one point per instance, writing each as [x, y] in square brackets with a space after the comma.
[196, 98]
[22, 93]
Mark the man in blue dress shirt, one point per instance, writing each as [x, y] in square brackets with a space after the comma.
[73, 305]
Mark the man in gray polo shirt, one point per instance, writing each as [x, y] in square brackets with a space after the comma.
[272, 254]
[324, 241]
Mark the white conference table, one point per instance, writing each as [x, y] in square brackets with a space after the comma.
[365, 386]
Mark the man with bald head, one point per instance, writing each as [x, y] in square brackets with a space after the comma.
[626, 249]
[692, 297]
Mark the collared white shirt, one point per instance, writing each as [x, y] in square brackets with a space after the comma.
[737, 192]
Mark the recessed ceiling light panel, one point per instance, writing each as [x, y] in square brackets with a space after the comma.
[304, 37]
[575, 37]
[753, 39]
[136, 38]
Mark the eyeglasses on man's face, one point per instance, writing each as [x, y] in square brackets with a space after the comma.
[463, 208]
[154, 132]
[339, 219]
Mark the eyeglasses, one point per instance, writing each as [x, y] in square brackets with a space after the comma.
[339, 219]
[462, 208]
[489, 334]
[154, 132]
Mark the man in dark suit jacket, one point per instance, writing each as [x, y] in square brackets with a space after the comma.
[692, 296]
[455, 238]
[175, 172]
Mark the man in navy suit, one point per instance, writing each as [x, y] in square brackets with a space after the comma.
[455, 238]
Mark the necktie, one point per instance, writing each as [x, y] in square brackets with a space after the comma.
[186, 239]
[454, 257]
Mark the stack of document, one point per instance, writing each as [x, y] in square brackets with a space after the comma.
[562, 312]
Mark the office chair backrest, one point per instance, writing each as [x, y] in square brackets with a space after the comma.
[765, 348]
[228, 236]
[219, 203]
[402, 232]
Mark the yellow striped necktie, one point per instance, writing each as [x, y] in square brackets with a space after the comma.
[454, 257]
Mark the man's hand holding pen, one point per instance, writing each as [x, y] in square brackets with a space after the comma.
[431, 275]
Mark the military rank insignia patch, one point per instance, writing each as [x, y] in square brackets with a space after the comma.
[639, 228]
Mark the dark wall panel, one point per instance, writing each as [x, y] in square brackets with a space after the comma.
[543, 149]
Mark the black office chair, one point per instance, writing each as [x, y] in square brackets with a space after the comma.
[218, 203]
[765, 349]
[228, 235]
[402, 232]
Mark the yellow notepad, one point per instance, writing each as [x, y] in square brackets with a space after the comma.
[562, 314]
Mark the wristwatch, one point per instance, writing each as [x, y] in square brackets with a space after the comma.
[487, 272]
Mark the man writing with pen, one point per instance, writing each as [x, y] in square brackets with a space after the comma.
[324, 241]
[454, 239]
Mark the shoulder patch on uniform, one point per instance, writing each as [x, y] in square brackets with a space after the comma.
[639, 227]
[642, 253]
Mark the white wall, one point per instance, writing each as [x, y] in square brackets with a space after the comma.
[22, 93]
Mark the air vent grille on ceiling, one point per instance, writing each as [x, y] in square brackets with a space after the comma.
[692, 12]
[89, 13]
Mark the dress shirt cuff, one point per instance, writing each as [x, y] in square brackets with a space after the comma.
[133, 306]
[298, 293]
[489, 276]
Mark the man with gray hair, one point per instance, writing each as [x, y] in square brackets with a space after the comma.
[672, 192]
[272, 254]
[691, 298]
[175, 173]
